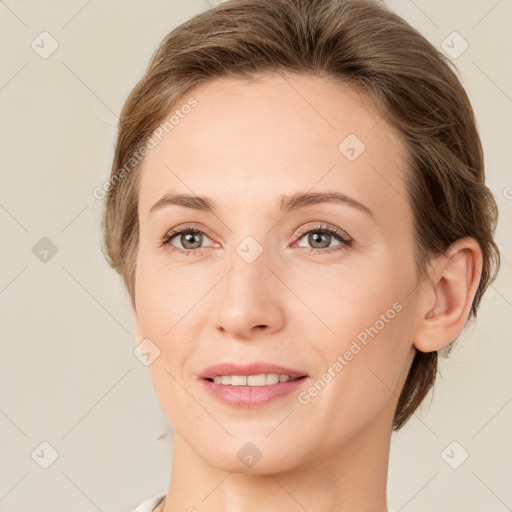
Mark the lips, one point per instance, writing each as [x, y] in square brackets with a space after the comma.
[253, 396]
[256, 368]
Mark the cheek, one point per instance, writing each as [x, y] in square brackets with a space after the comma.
[363, 373]
[346, 299]
[161, 302]
[172, 308]
[366, 323]
[166, 295]
[170, 392]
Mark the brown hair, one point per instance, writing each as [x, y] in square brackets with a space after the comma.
[359, 43]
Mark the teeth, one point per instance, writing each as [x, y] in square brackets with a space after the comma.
[263, 379]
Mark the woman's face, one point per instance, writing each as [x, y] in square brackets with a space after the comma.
[263, 283]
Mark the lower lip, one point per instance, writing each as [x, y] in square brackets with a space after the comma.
[252, 396]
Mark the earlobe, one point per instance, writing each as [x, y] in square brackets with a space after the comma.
[453, 287]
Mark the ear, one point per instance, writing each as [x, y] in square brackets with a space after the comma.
[447, 295]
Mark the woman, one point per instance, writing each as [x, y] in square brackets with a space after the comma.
[298, 209]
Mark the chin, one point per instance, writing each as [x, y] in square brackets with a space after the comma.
[252, 454]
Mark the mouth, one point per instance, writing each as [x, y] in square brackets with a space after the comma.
[263, 379]
[253, 391]
[250, 373]
[251, 385]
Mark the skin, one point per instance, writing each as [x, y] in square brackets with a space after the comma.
[244, 145]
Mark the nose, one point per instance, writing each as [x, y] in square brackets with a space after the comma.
[251, 299]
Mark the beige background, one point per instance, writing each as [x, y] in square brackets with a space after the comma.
[68, 376]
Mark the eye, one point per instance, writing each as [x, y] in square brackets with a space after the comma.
[190, 239]
[321, 237]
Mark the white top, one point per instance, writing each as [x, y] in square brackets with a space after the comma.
[155, 505]
[152, 505]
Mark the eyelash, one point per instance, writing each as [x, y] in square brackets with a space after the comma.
[345, 240]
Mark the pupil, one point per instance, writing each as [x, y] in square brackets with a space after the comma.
[314, 239]
[191, 237]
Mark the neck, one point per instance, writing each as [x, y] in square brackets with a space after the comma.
[351, 478]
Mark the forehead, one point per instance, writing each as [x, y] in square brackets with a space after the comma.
[250, 142]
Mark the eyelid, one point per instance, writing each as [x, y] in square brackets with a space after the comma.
[188, 227]
[325, 227]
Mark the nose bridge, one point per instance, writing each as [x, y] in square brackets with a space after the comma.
[248, 273]
[248, 297]
[249, 248]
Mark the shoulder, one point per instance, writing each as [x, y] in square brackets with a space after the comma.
[150, 505]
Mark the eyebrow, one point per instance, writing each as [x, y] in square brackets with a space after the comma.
[287, 203]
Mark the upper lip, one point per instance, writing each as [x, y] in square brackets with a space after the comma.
[255, 368]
